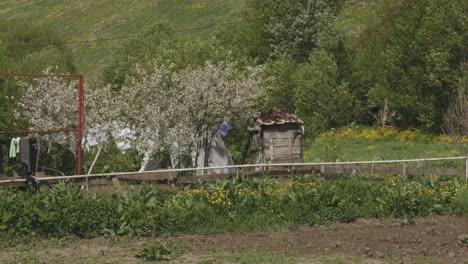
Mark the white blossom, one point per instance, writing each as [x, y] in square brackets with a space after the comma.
[161, 105]
[185, 106]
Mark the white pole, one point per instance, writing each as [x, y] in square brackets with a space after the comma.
[95, 159]
[92, 166]
[466, 169]
[241, 166]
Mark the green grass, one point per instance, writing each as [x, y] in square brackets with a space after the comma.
[89, 20]
[362, 150]
[252, 255]
[123, 251]
[364, 143]
[260, 256]
[26, 258]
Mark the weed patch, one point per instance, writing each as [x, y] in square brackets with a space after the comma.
[229, 206]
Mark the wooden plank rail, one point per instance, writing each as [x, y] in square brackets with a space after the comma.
[272, 170]
[150, 176]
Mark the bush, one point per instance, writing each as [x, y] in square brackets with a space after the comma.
[233, 205]
[461, 201]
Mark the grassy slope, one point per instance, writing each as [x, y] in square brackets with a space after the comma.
[87, 20]
[361, 144]
[362, 150]
[79, 20]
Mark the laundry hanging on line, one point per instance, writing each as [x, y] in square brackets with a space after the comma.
[24, 147]
[14, 147]
[28, 153]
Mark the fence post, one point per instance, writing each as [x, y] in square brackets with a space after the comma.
[423, 163]
[466, 168]
[322, 168]
[291, 170]
[404, 169]
[116, 182]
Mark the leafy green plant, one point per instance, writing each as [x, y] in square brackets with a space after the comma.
[463, 239]
[157, 252]
[234, 205]
[461, 200]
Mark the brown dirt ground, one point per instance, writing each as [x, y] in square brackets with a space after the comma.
[428, 240]
[428, 237]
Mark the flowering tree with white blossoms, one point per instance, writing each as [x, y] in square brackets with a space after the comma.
[187, 106]
[50, 103]
[164, 107]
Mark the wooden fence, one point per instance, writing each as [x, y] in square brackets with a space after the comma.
[179, 176]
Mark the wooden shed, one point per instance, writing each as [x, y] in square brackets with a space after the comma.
[276, 137]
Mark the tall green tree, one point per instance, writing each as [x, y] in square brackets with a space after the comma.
[320, 100]
[409, 55]
[135, 51]
[281, 79]
[282, 35]
[283, 29]
[160, 46]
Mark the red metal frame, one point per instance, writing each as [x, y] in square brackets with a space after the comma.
[81, 119]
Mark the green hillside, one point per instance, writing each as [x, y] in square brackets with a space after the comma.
[86, 20]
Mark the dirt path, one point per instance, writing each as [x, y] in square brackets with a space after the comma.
[429, 240]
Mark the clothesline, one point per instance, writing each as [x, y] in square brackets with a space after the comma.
[39, 132]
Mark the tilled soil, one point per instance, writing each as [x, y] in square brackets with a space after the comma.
[427, 240]
[435, 237]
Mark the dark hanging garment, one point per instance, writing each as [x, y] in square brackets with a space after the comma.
[7, 143]
[27, 154]
[1, 158]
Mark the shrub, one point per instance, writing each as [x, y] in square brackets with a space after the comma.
[233, 205]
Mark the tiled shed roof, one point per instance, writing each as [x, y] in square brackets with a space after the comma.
[277, 117]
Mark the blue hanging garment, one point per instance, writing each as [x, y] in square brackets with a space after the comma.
[224, 129]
